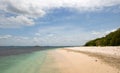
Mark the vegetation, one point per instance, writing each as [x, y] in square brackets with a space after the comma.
[112, 39]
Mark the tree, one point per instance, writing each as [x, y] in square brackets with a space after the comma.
[112, 39]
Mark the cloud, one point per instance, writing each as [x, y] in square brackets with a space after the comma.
[95, 32]
[5, 36]
[53, 37]
[49, 36]
[38, 7]
[11, 40]
[27, 10]
[13, 22]
[102, 33]
[21, 7]
[107, 32]
[63, 35]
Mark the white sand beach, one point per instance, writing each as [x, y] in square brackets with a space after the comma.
[72, 62]
[111, 51]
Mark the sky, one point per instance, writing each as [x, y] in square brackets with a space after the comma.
[56, 22]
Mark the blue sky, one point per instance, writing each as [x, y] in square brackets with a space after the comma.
[56, 23]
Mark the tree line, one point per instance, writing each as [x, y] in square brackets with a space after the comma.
[111, 39]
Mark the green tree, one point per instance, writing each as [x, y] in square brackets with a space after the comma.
[112, 39]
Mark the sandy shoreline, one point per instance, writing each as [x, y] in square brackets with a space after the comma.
[72, 62]
[112, 51]
[109, 55]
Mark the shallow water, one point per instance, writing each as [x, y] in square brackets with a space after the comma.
[24, 63]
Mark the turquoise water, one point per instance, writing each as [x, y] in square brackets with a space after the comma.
[24, 63]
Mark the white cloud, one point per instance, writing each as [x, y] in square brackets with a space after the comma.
[102, 33]
[21, 7]
[58, 36]
[62, 35]
[38, 8]
[13, 22]
[95, 33]
[50, 36]
[107, 32]
[11, 40]
[5, 36]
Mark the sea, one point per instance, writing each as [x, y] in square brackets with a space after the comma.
[16, 50]
[23, 59]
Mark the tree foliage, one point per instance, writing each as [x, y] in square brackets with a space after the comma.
[112, 39]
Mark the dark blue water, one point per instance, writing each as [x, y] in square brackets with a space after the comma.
[15, 50]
